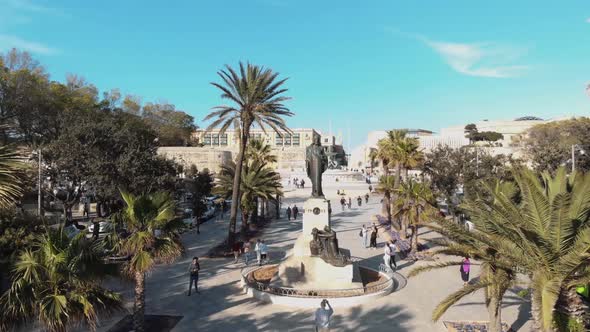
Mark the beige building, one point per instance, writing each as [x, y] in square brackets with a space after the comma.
[220, 148]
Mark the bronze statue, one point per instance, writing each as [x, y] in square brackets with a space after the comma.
[325, 244]
[316, 163]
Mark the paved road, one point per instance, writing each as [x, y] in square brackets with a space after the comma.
[221, 306]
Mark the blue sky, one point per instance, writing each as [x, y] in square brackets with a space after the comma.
[366, 65]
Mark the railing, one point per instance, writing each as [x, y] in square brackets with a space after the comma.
[316, 293]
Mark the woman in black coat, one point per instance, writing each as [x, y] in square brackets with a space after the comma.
[373, 243]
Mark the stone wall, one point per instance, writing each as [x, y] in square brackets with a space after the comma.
[198, 156]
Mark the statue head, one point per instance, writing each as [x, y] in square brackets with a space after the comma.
[317, 140]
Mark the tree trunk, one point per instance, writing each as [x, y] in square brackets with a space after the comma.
[414, 240]
[235, 197]
[398, 174]
[245, 226]
[536, 311]
[278, 206]
[403, 229]
[139, 306]
[255, 212]
[495, 314]
[385, 206]
[571, 304]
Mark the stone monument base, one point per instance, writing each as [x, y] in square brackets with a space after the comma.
[311, 272]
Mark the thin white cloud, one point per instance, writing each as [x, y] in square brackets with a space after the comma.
[8, 42]
[588, 20]
[474, 59]
[480, 59]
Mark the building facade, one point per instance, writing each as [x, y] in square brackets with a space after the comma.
[217, 148]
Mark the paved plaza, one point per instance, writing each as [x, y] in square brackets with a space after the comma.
[222, 306]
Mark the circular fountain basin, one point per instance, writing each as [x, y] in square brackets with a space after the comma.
[380, 284]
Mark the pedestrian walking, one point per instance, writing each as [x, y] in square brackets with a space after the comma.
[237, 248]
[359, 200]
[343, 203]
[349, 202]
[86, 213]
[367, 198]
[302, 184]
[247, 252]
[257, 250]
[263, 252]
[193, 271]
[392, 251]
[370, 188]
[373, 244]
[295, 211]
[95, 229]
[389, 256]
[364, 233]
[288, 212]
[465, 267]
[322, 316]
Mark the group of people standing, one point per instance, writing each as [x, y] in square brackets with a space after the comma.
[347, 203]
[297, 182]
[292, 212]
[245, 249]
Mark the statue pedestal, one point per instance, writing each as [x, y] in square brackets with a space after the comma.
[304, 271]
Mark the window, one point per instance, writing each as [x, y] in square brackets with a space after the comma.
[223, 139]
[296, 139]
[216, 139]
[256, 136]
[207, 139]
[278, 139]
[288, 139]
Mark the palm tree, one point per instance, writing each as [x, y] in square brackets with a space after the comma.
[150, 220]
[386, 186]
[11, 166]
[260, 153]
[496, 274]
[407, 155]
[57, 282]
[372, 158]
[258, 181]
[258, 98]
[414, 203]
[545, 232]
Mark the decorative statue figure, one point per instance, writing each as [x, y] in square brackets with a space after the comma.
[325, 244]
[316, 163]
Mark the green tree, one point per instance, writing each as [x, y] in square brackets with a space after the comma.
[386, 186]
[200, 186]
[11, 170]
[258, 181]
[414, 204]
[548, 146]
[496, 274]
[150, 220]
[174, 127]
[57, 282]
[258, 98]
[545, 231]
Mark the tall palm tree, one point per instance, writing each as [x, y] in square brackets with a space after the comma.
[407, 155]
[150, 220]
[57, 282]
[11, 166]
[386, 186]
[257, 181]
[414, 203]
[258, 98]
[372, 158]
[545, 232]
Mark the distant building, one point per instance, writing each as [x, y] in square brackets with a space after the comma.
[220, 148]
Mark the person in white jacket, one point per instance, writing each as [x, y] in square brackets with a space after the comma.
[257, 250]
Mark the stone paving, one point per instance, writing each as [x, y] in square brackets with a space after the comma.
[222, 306]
